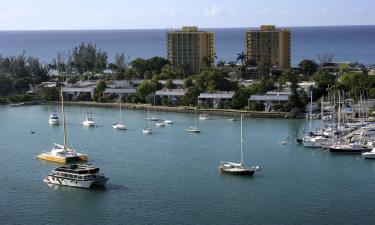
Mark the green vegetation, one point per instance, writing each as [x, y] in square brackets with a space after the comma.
[87, 61]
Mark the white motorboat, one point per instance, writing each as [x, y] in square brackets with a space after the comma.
[82, 176]
[369, 155]
[61, 153]
[89, 121]
[53, 119]
[160, 124]
[194, 129]
[204, 117]
[238, 168]
[120, 125]
[232, 119]
[147, 131]
[168, 121]
[313, 141]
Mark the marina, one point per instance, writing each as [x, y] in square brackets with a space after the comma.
[172, 177]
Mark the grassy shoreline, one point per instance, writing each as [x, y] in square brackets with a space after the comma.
[183, 109]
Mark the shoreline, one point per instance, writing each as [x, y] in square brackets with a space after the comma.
[181, 109]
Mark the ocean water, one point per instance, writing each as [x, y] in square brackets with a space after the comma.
[347, 43]
[171, 176]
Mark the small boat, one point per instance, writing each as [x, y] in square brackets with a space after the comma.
[147, 130]
[89, 121]
[160, 124]
[168, 121]
[369, 155]
[120, 125]
[82, 176]
[194, 129]
[352, 148]
[238, 168]
[232, 119]
[53, 119]
[204, 117]
[152, 118]
[61, 153]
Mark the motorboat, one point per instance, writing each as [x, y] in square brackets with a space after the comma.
[238, 168]
[53, 119]
[119, 126]
[147, 131]
[204, 117]
[89, 121]
[161, 124]
[168, 121]
[232, 119]
[61, 153]
[82, 176]
[369, 155]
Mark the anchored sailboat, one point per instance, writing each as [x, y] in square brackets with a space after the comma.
[238, 168]
[194, 129]
[61, 153]
[120, 125]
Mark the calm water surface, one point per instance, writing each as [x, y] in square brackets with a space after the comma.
[171, 177]
[347, 43]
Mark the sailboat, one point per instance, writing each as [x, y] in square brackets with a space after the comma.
[120, 125]
[238, 168]
[89, 121]
[194, 129]
[61, 153]
[147, 130]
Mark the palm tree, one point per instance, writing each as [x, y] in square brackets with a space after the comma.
[221, 64]
[207, 61]
[241, 57]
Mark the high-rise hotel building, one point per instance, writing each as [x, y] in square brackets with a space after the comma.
[269, 44]
[190, 47]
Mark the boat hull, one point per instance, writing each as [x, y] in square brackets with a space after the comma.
[348, 151]
[75, 183]
[239, 173]
[58, 159]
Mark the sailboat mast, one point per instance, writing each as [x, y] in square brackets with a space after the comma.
[120, 112]
[310, 108]
[195, 118]
[63, 117]
[148, 116]
[241, 142]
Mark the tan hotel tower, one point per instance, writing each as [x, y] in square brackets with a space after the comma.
[270, 44]
[190, 47]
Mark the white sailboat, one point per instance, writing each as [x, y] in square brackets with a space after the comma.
[194, 129]
[238, 168]
[61, 153]
[120, 125]
[89, 121]
[147, 130]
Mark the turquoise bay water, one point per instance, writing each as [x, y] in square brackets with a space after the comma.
[171, 177]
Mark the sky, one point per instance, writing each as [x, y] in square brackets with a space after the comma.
[150, 14]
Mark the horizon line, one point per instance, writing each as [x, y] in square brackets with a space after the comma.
[250, 27]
